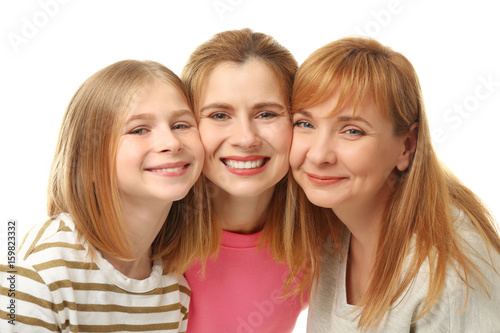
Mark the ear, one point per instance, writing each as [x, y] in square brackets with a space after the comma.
[410, 143]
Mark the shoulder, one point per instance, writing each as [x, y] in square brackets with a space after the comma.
[176, 283]
[49, 250]
[51, 231]
[483, 277]
[473, 298]
[50, 240]
[176, 290]
[473, 308]
[472, 244]
[32, 289]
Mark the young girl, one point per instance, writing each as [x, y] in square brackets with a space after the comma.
[416, 249]
[240, 85]
[111, 257]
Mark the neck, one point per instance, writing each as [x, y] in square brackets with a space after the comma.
[244, 215]
[363, 216]
[143, 222]
[364, 223]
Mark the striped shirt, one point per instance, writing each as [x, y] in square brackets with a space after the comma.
[53, 287]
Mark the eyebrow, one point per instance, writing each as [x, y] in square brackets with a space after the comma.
[266, 105]
[346, 119]
[140, 116]
[304, 113]
[150, 116]
[258, 106]
[215, 106]
[343, 119]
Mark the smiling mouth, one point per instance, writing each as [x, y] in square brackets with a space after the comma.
[324, 180]
[168, 169]
[245, 165]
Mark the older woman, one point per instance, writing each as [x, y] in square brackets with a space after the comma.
[415, 249]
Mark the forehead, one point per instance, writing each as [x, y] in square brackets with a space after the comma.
[159, 98]
[252, 70]
[159, 92]
[330, 109]
[252, 80]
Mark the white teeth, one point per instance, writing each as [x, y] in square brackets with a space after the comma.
[168, 169]
[244, 165]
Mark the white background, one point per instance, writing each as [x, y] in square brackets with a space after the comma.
[49, 47]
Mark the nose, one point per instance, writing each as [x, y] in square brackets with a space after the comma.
[245, 134]
[322, 150]
[167, 141]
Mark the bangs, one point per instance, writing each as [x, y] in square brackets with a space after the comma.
[356, 76]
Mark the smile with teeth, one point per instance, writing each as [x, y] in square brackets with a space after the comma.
[168, 169]
[245, 164]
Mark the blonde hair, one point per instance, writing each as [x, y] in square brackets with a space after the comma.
[359, 68]
[83, 179]
[239, 47]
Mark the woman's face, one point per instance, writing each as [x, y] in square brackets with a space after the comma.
[343, 161]
[245, 128]
[160, 155]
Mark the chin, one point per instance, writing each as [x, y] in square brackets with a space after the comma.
[171, 197]
[321, 199]
[322, 203]
[246, 190]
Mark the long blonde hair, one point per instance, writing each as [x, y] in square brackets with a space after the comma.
[420, 204]
[239, 47]
[83, 179]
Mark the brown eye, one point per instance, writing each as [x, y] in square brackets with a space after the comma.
[218, 116]
[267, 115]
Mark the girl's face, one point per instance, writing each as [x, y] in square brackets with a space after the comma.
[160, 154]
[341, 161]
[245, 128]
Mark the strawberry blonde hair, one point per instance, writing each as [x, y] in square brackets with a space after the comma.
[419, 207]
[83, 181]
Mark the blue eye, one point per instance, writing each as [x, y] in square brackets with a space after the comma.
[180, 126]
[303, 124]
[138, 131]
[356, 132]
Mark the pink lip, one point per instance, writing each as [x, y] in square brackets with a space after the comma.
[183, 165]
[244, 158]
[246, 172]
[168, 165]
[324, 180]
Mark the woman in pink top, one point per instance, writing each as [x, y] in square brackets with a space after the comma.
[240, 85]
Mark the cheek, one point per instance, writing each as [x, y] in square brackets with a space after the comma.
[197, 148]
[369, 162]
[209, 142]
[133, 151]
[210, 136]
[128, 160]
[127, 154]
[357, 157]
[298, 152]
[279, 136]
